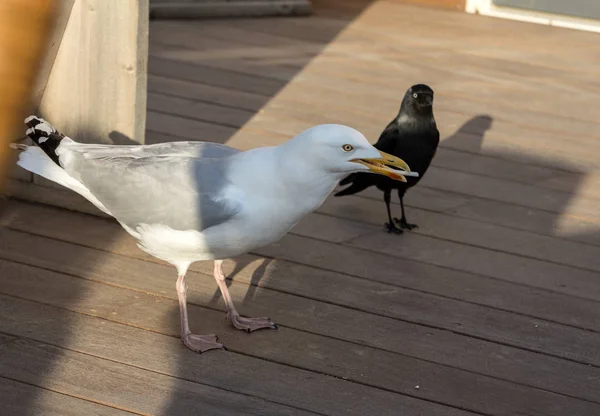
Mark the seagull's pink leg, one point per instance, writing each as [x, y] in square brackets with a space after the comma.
[198, 343]
[249, 324]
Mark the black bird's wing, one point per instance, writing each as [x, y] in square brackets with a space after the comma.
[361, 181]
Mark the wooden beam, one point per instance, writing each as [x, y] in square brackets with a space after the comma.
[24, 29]
[92, 86]
[61, 17]
[96, 91]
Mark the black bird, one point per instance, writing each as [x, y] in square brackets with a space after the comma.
[413, 135]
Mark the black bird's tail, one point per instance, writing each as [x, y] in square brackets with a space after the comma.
[44, 135]
[360, 181]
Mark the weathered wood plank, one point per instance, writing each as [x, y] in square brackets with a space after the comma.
[166, 30]
[463, 231]
[376, 74]
[509, 268]
[361, 364]
[24, 399]
[546, 223]
[383, 301]
[188, 129]
[59, 197]
[222, 55]
[230, 117]
[332, 80]
[510, 192]
[124, 386]
[4, 338]
[207, 93]
[213, 76]
[194, 129]
[365, 265]
[523, 218]
[219, 372]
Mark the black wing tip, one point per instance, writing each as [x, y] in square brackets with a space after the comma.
[32, 121]
[44, 135]
[38, 128]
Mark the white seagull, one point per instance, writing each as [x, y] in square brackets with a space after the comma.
[191, 201]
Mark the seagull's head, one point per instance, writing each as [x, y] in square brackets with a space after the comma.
[342, 150]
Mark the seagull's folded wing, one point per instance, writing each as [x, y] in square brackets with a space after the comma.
[181, 185]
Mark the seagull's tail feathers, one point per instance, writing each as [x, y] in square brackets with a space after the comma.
[44, 135]
[359, 182]
[40, 160]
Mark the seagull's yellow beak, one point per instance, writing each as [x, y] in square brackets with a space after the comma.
[380, 166]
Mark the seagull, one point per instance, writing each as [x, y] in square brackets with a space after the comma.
[196, 201]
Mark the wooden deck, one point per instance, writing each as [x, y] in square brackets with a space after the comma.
[491, 307]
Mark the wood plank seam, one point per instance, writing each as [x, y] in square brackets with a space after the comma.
[62, 348]
[62, 393]
[287, 364]
[394, 285]
[463, 243]
[319, 70]
[345, 274]
[204, 101]
[449, 212]
[493, 156]
[432, 326]
[440, 266]
[231, 351]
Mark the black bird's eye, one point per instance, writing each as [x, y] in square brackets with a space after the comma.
[415, 95]
[347, 148]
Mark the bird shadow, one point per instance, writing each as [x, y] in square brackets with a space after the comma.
[121, 139]
[508, 207]
[257, 276]
[469, 137]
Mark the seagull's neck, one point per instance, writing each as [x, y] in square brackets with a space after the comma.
[292, 180]
[303, 183]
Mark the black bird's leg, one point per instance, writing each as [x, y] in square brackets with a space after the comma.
[402, 221]
[390, 226]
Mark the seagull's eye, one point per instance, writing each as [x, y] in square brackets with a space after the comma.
[347, 148]
[415, 95]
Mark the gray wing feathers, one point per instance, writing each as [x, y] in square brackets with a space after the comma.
[200, 150]
[181, 192]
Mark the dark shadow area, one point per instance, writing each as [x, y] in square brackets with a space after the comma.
[539, 216]
[37, 277]
[471, 134]
[121, 139]
[257, 275]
